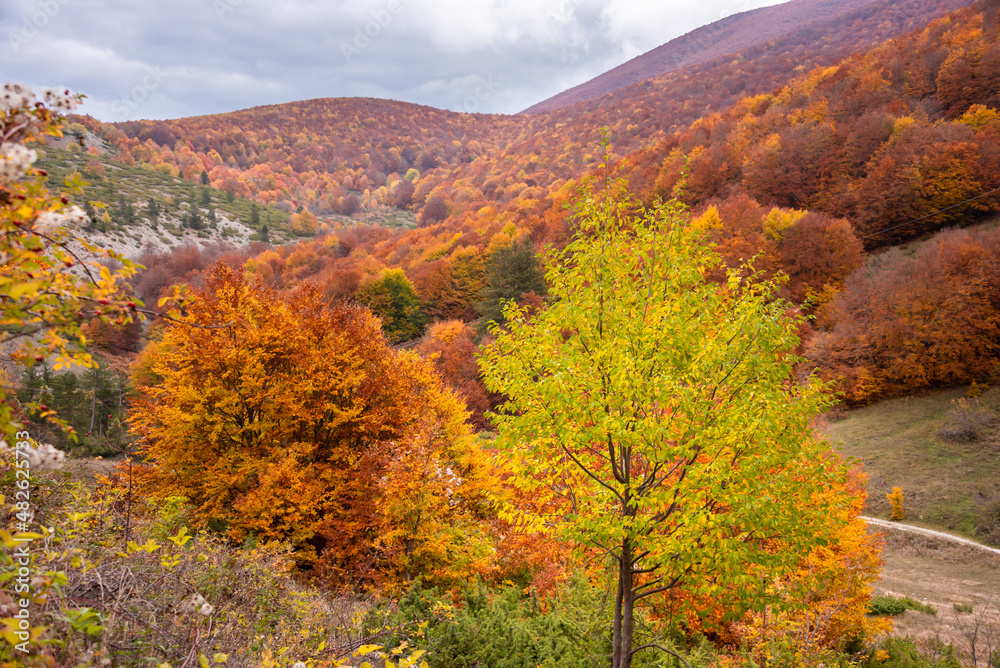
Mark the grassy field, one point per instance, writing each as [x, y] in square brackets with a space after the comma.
[944, 483]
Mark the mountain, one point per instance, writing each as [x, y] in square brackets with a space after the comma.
[368, 158]
[316, 153]
[733, 34]
[802, 152]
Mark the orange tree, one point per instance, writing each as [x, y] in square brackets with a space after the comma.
[51, 281]
[660, 408]
[298, 422]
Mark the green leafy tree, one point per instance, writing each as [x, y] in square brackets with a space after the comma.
[126, 211]
[193, 218]
[653, 414]
[153, 211]
[510, 273]
[393, 299]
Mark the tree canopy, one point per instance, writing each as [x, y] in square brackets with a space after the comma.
[657, 409]
[298, 423]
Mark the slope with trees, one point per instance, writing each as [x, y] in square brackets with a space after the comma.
[896, 134]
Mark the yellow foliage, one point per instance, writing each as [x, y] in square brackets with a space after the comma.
[979, 117]
[499, 241]
[304, 224]
[895, 498]
[826, 600]
[900, 125]
[778, 220]
[446, 331]
[709, 220]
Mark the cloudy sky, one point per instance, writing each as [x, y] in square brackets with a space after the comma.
[173, 58]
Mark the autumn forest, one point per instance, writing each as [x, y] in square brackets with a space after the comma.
[543, 389]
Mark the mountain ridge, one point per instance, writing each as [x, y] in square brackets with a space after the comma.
[728, 35]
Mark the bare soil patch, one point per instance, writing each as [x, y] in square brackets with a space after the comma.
[949, 577]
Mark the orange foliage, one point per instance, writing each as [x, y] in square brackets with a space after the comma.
[904, 324]
[296, 422]
[825, 601]
[451, 347]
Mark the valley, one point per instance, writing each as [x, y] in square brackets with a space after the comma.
[362, 382]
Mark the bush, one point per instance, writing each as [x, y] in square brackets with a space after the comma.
[883, 606]
[896, 499]
[988, 516]
[123, 582]
[967, 420]
[502, 627]
[886, 606]
[902, 653]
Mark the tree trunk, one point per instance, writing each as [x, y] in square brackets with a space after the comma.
[624, 624]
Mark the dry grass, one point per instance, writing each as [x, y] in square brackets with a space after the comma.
[898, 443]
[942, 575]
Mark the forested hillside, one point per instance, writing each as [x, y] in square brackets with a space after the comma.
[326, 154]
[740, 34]
[892, 135]
[509, 390]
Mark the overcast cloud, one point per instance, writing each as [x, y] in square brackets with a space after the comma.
[167, 59]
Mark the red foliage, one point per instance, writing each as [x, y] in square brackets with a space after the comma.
[905, 324]
[451, 347]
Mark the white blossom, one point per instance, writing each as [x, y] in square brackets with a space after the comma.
[15, 160]
[196, 603]
[48, 222]
[15, 96]
[59, 100]
[76, 215]
[45, 456]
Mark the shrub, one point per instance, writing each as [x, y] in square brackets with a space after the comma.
[988, 516]
[896, 499]
[885, 606]
[504, 627]
[967, 420]
[124, 583]
[902, 653]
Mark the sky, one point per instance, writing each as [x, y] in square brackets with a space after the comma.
[161, 59]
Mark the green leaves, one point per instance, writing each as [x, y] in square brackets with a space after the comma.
[659, 406]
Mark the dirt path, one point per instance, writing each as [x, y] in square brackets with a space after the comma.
[930, 533]
[957, 577]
